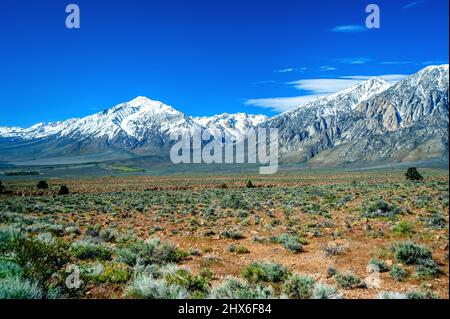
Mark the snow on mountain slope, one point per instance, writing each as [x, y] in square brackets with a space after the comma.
[343, 101]
[373, 120]
[137, 119]
[417, 97]
[234, 125]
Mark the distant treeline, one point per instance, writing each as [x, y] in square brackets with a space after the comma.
[21, 173]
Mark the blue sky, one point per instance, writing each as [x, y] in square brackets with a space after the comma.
[204, 57]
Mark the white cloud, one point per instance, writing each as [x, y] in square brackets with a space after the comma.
[281, 104]
[413, 4]
[285, 70]
[316, 88]
[355, 60]
[324, 86]
[327, 68]
[352, 28]
[388, 77]
[435, 62]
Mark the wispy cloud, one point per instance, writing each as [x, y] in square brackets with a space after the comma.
[396, 62]
[327, 68]
[355, 60]
[414, 4]
[435, 62]
[281, 104]
[387, 77]
[324, 86]
[285, 70]
[351, 28]
[315, 88]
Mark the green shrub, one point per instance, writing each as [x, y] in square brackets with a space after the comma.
[333, 249]
[412, 174]
[427, 268]
[416, 294]
[151, 252]
[232, 234]
[380, 265]
[42, 185]
[249, 184]
[238, 249]
[113, 273]
[9, 269]
[197, 285]
[108, 235]
[17, 288]
[299, 287]
[1, 187]
[147, 287]
[38, 259]
[86, 250]
[233, 288]
[403, 228]
[398, 273]
[323, 291]
[64, 190]
[410, 253]
[437, 220]
[380, 208]
[7, 235]
[348, 280]
[289, 242]
[260, 271]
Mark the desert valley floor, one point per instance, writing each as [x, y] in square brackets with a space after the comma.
[325, 225]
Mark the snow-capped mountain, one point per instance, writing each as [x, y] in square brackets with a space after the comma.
[315, 126]
[373, 121]
[139, 127]
[235, 125]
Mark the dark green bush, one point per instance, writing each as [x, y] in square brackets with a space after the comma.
[198, 285]
[380, 208]
[232, 234]
[42, 185]
[151, 252]
[410, 253]
[64, 190]
[379, 264]
[39, 260]
[413, 174]
[348, 280]
[259, 271]
[417, 294]
[398, 273]
[289, 242]
[86, 250]
[299, 287]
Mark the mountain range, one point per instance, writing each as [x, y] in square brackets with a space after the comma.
[373, 122]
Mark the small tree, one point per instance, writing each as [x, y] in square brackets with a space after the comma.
[250, 184]
[63, 190]
[413, 175]
[42, 185]
[1, 187]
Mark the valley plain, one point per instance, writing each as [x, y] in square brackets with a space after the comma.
[298, 234]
